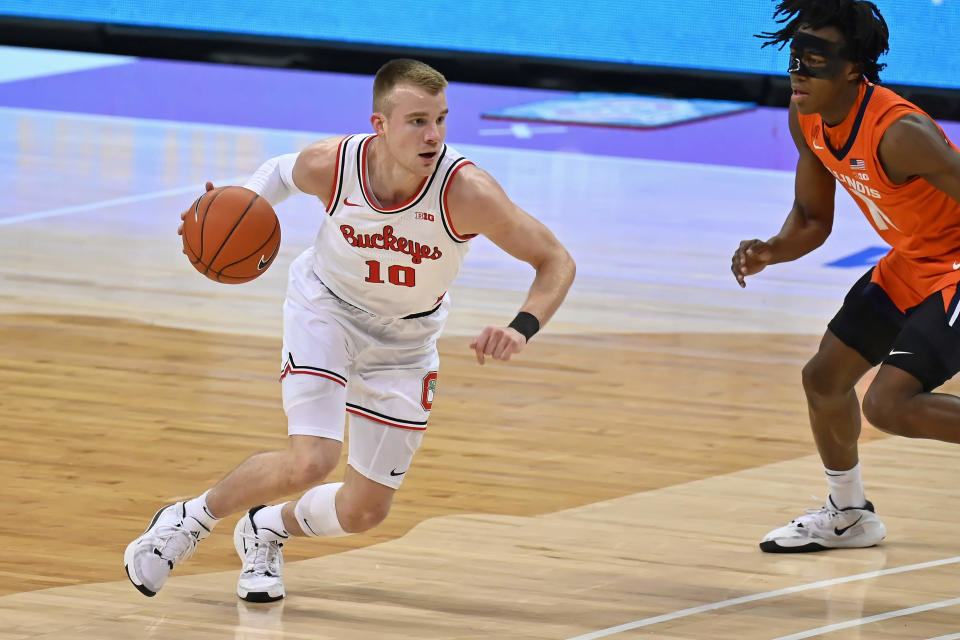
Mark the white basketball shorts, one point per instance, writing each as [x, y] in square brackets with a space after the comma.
[341, 359]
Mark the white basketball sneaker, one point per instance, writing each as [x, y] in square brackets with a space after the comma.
[261, 578]
[827, 528]
[150, 558]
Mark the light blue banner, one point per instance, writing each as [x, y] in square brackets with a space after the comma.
[695, 33]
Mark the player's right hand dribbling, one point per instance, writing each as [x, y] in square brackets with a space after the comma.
[750, 258]
[209, 187]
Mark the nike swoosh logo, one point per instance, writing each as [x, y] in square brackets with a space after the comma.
[394, 473]
[346, 201]
[816, 146]
[840, 532]
[956, 265]
[901, 353]
[263, 263]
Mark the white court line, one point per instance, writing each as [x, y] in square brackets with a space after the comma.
[819, 631]
[103, 204]
[952, 636]
[683, 613]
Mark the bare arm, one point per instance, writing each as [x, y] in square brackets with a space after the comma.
[315, 169]
[313, 172]
[477, 205]
[914, 147]
[807, 225]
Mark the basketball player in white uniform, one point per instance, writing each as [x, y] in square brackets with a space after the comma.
[364, 308]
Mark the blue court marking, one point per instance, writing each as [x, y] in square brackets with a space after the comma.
[865, 258]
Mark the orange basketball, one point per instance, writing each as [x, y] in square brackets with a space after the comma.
[231, 235]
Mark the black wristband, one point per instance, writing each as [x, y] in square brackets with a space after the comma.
[526, 323]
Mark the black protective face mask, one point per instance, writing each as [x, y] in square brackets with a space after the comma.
[833, 52]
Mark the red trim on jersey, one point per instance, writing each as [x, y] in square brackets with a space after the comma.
[288, 370]
[336, 176]
[446, 209]
[382, 421]
[368, 193]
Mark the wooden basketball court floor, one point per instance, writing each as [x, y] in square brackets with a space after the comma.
[612, 481]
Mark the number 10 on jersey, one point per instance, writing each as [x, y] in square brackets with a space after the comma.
[396, 274]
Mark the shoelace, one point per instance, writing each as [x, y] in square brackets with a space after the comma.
[263, 558]
[820, 515]
[173, 543]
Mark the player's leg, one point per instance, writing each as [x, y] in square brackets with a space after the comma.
[318, 347]
[924, 356]
[390, 396]
[314, 372]
[380, 456]
[313, 383]
[389, 401]
[260, 534]
[857, 338]
[264, 476]
[176, 529]
[828, 383]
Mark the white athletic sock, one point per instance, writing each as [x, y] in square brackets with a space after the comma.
[199, 518]
[846, 487]
[269, 521]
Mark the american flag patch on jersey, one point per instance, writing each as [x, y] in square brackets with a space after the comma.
[859, 165]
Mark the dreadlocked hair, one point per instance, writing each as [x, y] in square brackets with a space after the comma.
[863, 28]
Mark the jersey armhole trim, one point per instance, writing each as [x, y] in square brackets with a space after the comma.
[338, 176]
[445, 210]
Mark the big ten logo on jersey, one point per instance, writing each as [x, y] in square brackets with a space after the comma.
[855, 186]
[859, 168]
[423, 215]
[429, 390]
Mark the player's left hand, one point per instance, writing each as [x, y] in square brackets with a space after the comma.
[183, 216]
[498, 342]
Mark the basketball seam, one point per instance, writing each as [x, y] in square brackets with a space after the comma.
[203, 225]
[236, 224]
[276, 225]
[186, 236]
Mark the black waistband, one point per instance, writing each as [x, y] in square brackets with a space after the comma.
[422, 314]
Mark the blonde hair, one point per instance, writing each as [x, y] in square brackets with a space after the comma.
[404, 71]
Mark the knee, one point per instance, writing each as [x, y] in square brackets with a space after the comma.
[306, 471]
[359, 517]
[820, 381]
[882, 410]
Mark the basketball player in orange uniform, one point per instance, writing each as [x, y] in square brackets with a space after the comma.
[363, 311]
[902, 314]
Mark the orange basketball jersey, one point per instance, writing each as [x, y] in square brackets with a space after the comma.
[920, 222]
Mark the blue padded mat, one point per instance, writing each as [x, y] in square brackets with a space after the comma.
[618, 110]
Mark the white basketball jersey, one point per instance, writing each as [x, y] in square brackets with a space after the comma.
[391, 262]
